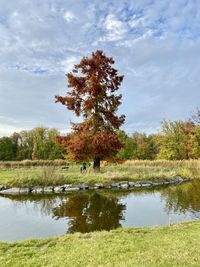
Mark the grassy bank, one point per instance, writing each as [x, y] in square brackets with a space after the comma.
[176, 245]
[130, 170]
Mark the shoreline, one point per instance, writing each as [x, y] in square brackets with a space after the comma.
[68, 188]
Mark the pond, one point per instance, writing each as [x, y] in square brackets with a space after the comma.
[39, 216]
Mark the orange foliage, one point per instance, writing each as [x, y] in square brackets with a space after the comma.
[86, 146]
[92, 85]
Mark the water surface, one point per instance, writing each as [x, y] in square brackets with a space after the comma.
[39, 216]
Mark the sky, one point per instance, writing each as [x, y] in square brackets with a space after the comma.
[155, 45]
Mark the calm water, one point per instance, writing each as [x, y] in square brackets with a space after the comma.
[24, 217]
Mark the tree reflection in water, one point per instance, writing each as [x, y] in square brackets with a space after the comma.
[183, 198]
[90, 212]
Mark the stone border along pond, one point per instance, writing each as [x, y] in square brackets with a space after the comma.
[82, 187]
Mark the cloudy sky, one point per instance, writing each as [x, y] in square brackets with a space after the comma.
[155, 44]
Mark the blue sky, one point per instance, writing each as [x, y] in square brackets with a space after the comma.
[155, 44]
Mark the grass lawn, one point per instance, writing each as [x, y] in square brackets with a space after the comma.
[130, 170]
[175, 245]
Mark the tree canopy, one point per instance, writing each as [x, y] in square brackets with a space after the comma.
[175, 141]
[92, 85]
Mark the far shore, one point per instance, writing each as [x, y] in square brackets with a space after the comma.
[125, 174]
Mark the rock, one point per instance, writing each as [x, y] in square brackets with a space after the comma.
[67, 185]
[37, 190]
[15, 191]
[83, 187]
[124, 186]
[11, 191]
[116, 185]
[58, 189]
[166, 182]
[143, 184]
[138, 185]
[98, 186]
[3, 187]
[131, 184]
[179, 179]
[95, 187]
[146, 184]
[123, 182]
[30, 189]
[41, 190]
[48, 189]
[24, 190]
[72, 189]
[157, 183]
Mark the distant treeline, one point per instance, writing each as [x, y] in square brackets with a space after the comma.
[177, 140]
[39, 143]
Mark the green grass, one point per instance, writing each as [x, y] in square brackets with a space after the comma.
[176, 245]
[130, 170]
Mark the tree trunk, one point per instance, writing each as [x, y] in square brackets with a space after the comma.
[96, 164]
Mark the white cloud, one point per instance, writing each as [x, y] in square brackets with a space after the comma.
[155, 45]
[135, 22]
[115, 28]
[69, 62]
[69, 16]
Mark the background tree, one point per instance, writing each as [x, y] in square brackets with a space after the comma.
[15, 140]
[38, 143]
[25, 145]
[6, 148]
[175, 142]
[45, 145]
[146, 147]
[195, 143]
[92, 85]
[129, 147]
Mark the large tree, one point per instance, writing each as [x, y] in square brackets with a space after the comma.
[92, 85]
